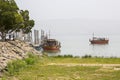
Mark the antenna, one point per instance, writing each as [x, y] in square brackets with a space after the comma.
[49, 34]
[42, 34]
[93, 35]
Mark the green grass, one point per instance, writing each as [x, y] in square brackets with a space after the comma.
[83, 60]
[41, 71]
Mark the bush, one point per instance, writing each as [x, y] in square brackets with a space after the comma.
[15, 66]
[68, 56]
[30, 55]
[64, 56]
[87, 56]
[3, 79]
[30, 61]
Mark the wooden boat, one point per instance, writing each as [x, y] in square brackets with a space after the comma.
[48, 44]
[96, 40]
[51, 45]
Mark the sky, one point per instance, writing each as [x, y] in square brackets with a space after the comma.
[74, 16]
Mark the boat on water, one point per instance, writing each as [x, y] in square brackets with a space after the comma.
[96, 40]
[51, 45]
[99, 40]
[48, 44]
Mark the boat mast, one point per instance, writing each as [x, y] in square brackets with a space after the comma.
[49, 34]
[93, 36]
[42, 35]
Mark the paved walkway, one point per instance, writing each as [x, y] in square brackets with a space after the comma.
[77, 64]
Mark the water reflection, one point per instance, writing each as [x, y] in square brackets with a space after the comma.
[52, 52]
[99, 50]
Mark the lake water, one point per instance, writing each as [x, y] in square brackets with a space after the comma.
[74, 35]
[79, 45]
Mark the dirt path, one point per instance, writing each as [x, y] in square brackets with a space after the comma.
[77, 64]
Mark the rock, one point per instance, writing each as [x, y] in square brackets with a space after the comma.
[12, 50]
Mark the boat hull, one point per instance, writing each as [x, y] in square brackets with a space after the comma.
[99, 41]
[51, 45]
[52, 48]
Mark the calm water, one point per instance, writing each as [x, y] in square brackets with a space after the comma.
[72, 33]
[80, 46]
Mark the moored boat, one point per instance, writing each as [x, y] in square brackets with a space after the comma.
[96, 40]
[48, 44]
[51, 45]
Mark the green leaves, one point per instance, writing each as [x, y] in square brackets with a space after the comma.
[13, 19]
[28, 24]
[8, 5]
[9, 15]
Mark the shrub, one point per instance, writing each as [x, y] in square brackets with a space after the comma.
[3, 78]
[63, 56]
[30, 61]
[87, 56]
[69, 56]
[15, 66]
[30, 55]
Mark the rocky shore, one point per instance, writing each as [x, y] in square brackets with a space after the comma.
[12, 50]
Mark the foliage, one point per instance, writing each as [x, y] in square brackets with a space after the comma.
[32, 59]
[13, 19]
[3, 78]
[17, 65]
[87, 56]
[28, 24]
[10, 18]
[64, 56]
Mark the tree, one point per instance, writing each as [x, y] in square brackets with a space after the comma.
[28, 24]
[13, 19]
[10, 18]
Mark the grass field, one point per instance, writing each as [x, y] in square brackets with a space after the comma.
[41, 70]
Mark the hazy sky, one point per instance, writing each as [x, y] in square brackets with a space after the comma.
[90, 9]
[88, 15]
